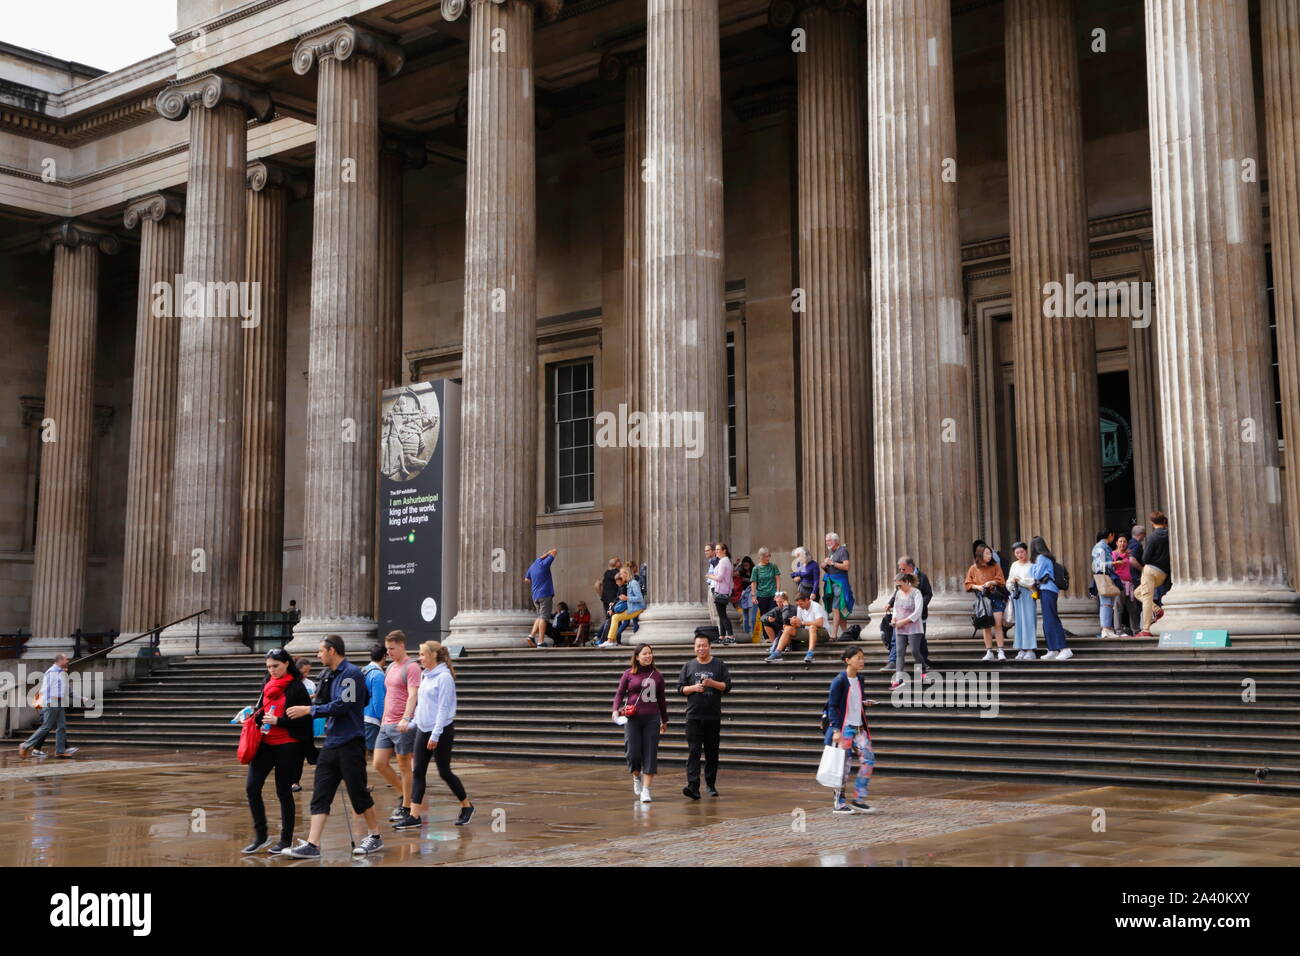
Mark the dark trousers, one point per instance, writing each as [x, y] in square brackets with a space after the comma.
[286, 761]
[641, 743]
[724, 622]
[702, 735]
[345, 764]
[765, 604]
[441, 755]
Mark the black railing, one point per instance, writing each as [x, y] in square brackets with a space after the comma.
[11, 645]
[92, 639]
[152, 634]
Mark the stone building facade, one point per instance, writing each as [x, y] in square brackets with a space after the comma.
[920, 271]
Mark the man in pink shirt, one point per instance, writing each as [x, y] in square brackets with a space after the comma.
[397, 726]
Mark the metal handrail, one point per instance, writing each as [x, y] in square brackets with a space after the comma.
[153, 631]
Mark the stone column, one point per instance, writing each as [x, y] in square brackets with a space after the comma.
[835, 327]
[261, 504]
[153, 415]
[924, 463]
[1058, 445]
[342, 389]
[1225, 509]
[206, 476]
[395, 157]
[63, 515]
[684, 348]
[498, 507]
[1144, 406]
[630, 68]
[1280, 30]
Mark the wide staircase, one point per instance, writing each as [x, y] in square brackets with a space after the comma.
[1120, 712]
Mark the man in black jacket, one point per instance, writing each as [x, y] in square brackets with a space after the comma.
[907, 566]
[703, 680]
[1155, 569]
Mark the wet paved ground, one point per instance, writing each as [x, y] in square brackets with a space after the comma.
[134, 807]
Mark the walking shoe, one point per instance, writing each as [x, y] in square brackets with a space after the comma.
[889, 666]
[843, 808]
[408, 822]
[1065, 655]
[773, 658]
[713, 791]
[636, 784]
[861, 806]
[1002, 655]
[808, 658]
[397, 814]
[1049, 656]
[1159, 613]
[296, 788]
[371, 844]
[259, 841]
[466, 815]
[645, 795]
[39, 753]
[1030, 656]
[988, 656]
[303, 851]
[279, 847]
[688, 792]
[895, 684]
[1144, 634]
[69, 752]
[24, 752]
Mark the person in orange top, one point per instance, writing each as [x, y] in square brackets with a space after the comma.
[985, 577]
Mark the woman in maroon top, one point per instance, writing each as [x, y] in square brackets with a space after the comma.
[642, 688]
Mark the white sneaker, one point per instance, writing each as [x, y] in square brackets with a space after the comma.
[1002, 655]
[1108, 632]
[1065, 655]
[1049, 656]
[636, 785]
[988, 656]
[645, 795]
[1030, 656]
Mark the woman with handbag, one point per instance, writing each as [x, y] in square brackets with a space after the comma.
[722, 582]
[1128, 613]
[435, 729]
[284, 746]
[805, 571]
[642, 706]
[985, 579]
[1107, 590]
[1020, 586]
[846, 727]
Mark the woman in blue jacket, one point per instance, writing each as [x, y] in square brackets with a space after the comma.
[1043, 571]
[846, 726]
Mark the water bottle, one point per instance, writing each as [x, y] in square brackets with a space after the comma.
[270, 712]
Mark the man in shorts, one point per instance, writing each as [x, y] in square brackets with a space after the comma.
[343, 758]
[543, 590]
[397, 725]
[809, 623]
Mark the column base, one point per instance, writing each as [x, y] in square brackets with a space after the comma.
[184, 639]
[47, 648]
[491, 628]
[358, 634]
[673, 624]
[1235, 609]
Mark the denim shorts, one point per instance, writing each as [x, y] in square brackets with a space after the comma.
[391, 739]
[372, 734]
[999, 605]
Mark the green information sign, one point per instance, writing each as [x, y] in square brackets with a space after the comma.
[1195, 639]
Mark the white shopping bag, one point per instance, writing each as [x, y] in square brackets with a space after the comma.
[831, 771]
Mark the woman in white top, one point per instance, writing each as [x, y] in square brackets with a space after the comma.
[435, 729]
[1020, 582]
[720, 580]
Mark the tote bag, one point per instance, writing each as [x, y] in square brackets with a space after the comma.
[830, 772]
[1105, 586]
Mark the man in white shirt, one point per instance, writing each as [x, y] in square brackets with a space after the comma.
[809, 622]
[55, 698]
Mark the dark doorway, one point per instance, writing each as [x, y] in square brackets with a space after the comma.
[1116, 436]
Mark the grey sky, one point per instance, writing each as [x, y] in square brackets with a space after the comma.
[108, 34]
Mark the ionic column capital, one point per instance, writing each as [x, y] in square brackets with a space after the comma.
[210, 91]
[343, 40]
[411, 152]
[783, 14]
[71, 234]
[154, 207]
[262, 175]
[547, 10]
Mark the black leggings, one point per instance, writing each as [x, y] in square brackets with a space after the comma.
[286, 761]
[724, 622]
[441, 754]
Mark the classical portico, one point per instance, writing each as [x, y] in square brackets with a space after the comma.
[821, 236]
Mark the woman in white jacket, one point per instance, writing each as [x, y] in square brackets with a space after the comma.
[435, 729]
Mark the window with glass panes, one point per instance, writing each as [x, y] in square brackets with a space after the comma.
[573, 456]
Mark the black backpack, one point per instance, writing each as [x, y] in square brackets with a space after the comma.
[852, 633]
[1061, 575]
[710, 632]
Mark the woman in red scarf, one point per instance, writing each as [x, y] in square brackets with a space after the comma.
[285, 745]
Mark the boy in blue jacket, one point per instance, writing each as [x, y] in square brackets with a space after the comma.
[846, 726]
